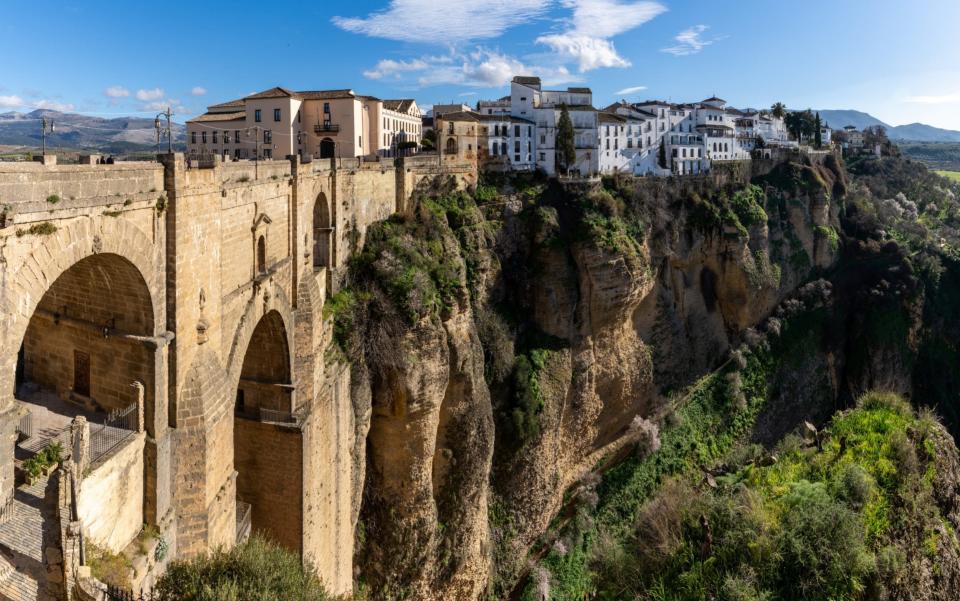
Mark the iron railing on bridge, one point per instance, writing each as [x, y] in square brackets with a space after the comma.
[25, 425]
[119, 425]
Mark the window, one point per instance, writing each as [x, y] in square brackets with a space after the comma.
[267, 153]
[256, 116]
[530, 131]
[262, 255]
[236, 136]
[298, 116]
[267, 136]
[276, 114]
[360, 142]
[516, 147]
[543, 156]
[203, 137]
[326, 108]
[226, 137]
[523, 99]
[193, 137]
[215, 136]
[516, 131]
[543, 139]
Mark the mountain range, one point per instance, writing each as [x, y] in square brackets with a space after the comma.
[913, 132]
[74, 131]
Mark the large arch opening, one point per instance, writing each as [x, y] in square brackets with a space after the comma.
[267, 444]
[83, 348]
[321, 232]
[82, 352]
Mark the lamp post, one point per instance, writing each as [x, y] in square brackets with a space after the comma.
[168, 131]
[44, 125]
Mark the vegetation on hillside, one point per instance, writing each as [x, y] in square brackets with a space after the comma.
[257, 570]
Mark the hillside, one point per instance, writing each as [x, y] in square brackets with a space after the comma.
[914, 132]
[116, 135]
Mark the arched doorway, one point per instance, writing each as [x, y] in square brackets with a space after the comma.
[266, 440]
[81, 352]
[451, 146]
[321, 232]
[328, 148]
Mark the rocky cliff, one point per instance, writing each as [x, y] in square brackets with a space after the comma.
[507, 341]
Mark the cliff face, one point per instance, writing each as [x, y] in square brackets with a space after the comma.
[504, 344]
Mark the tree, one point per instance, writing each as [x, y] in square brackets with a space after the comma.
[662, 155]
[801, 124]
[817, 132]
[429, 139]
[566, 150]
[778, 110]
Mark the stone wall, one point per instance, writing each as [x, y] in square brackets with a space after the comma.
[110, 499]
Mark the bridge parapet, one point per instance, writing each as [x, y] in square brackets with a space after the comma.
[48, 186]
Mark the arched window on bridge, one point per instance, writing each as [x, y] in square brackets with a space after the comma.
[262, 255]
[321, 232]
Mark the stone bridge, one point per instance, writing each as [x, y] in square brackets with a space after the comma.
[206, 285]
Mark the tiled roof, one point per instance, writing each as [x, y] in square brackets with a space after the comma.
[610, 118]
[325, 94]
[580, 90]
[209, 117]
[238, 103]
[714, 99]
[527, 80]
[459, 116]
[401, 106]
[276, 92]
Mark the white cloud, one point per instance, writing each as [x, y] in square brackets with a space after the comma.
[116, 92]
[11, 102]
[689, 41]
[465, 94]
[198, 91]
[936, 99]
[53, 105]
[586, 40]
[161, 105]
[392, 68]
[421, 21]
[146, 95]
[631, 90]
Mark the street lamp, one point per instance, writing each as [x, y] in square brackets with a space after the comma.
[168, 131]
[44, 125]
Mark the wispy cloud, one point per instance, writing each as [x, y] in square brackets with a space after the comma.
[631, 90]
[420, 21]
[53, 105]
[465, 94]
[198, 91]
[147, 95]
[936, 99]
[11, 102]
[391, 68]
[690, 41]
[116, 92]
[586, 40]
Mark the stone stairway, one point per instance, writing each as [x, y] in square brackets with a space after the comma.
[31, 523]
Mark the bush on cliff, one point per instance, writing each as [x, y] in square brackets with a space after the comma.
[257, 570]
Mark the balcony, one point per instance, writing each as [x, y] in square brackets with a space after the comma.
[326, 128]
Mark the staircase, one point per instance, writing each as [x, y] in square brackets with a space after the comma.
[32, 522]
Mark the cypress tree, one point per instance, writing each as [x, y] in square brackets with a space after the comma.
[817, 135]
[566, 150]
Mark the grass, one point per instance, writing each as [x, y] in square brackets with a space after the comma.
[954, 175]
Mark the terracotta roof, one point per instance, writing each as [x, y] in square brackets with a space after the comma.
[276, 92]
[325, 94]
[401, 106]
[209, 117]
[580, 90]
[527, 80]
[610, 118]
[458, 116]
[227, 105]
[714, 99]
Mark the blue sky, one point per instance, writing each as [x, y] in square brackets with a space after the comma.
[898, 60]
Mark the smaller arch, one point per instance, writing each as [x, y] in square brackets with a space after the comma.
[261, 255]
[321, 232]
[451, 146]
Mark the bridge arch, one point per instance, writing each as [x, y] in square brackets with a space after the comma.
[323, 252]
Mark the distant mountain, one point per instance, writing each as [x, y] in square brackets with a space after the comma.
[914, 132]
[116, 135]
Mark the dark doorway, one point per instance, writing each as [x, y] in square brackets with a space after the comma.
[327, 148]
[19, 376]
[81, 373]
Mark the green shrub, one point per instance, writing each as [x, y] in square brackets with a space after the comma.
[53, 199]
[38, 229]
[258, 570]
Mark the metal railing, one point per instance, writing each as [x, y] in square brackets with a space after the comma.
[326, 127]
[243, 521]
[25, 425]
[119, 425]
